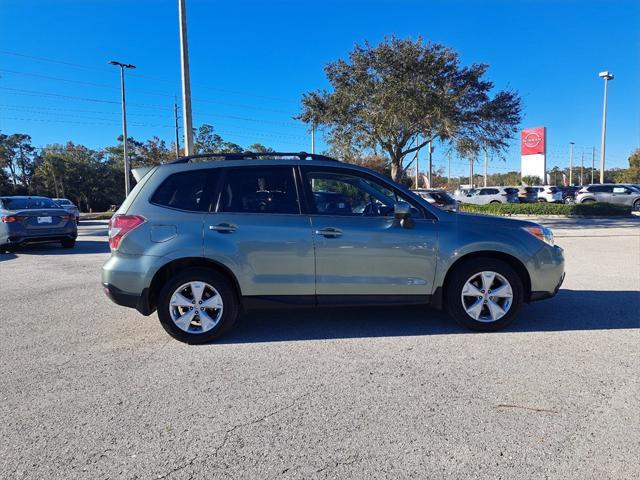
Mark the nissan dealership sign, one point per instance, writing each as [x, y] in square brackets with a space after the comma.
[533, 150]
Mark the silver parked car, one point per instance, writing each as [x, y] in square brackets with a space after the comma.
[26, 220]
[486, 195]
[618, 194]
[202, 241]
[69, 206]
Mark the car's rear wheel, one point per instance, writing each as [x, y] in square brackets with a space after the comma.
[636, 205]
[588, 200]
[68, 243]
[541, 200]
[197, 306]
[4, 248]
[484, 294]
[495, 201]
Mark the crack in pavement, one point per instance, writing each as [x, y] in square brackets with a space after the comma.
[177, 469]
[229, 431]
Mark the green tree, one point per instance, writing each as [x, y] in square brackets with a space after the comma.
[385, 96]
[259, 148]
[632, 175]
[531, 180]
[19, 157]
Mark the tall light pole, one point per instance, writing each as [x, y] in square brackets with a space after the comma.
[606, 76]
[430, 166]
[186, 82]
[127, 184]
[571, 163]
[486, 160]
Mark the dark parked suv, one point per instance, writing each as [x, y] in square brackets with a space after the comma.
[201, 241]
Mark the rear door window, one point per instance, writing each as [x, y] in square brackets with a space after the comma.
[259, 190]
[186, 190]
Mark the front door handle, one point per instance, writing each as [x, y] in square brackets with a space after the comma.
[329, 232]
[223, 228]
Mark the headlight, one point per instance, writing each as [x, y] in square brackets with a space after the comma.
[543, 233]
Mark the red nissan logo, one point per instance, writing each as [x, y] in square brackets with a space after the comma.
[532, 140]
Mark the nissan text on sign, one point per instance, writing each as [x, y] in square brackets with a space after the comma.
[533, 150]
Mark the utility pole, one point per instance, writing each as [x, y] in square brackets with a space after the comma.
[313, 138]
[127, 180]
[186, 82]
[416, 166]
[449, 169]
[593, 160]
[486, 161]
[430, 164]
[471, 172]
[571, 163]
[175, 117]
[581, 168]
[606, 76]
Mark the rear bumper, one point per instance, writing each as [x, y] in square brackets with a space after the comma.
[139, 302]
[43, 238]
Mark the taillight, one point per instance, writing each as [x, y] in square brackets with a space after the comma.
[69, 216]
[120, 226]
[12, 218]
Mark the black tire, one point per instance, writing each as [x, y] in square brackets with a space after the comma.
[636, 205]
[4, 248]
[588, 200]
[495, 201]
[465, 271]
[68, 243]
[218, 281]
[542, 200]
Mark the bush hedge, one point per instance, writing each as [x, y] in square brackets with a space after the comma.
[543, 208]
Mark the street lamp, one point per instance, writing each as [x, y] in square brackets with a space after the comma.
[127, 186]
[606, 76]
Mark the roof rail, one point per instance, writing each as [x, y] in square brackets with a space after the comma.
[254, 156]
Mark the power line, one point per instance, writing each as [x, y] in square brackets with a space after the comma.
[175, 83]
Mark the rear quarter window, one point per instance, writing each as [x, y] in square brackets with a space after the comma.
[185, 190]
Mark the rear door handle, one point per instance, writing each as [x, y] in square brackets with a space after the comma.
[329, 232]
[223, 228]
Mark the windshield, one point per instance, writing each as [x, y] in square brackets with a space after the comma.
[63, 201]
[27, 203]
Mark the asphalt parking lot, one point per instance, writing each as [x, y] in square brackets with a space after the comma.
[93, 390]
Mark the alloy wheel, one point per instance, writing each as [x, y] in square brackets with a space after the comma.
[196, 307]
[487, 296]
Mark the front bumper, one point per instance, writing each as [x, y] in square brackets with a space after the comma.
[546, 270]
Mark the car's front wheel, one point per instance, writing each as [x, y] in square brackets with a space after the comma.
[197, 306]
[484, 294]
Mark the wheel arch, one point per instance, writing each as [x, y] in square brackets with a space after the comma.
[440, 294]
[175, 266]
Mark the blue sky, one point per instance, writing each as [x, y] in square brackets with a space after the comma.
[251, 62]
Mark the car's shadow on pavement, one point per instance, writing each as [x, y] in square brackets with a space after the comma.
[569, 310]
[82, 247]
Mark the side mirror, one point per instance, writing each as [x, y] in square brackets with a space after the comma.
[402, 212]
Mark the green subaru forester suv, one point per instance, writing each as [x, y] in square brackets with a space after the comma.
[208, 236]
